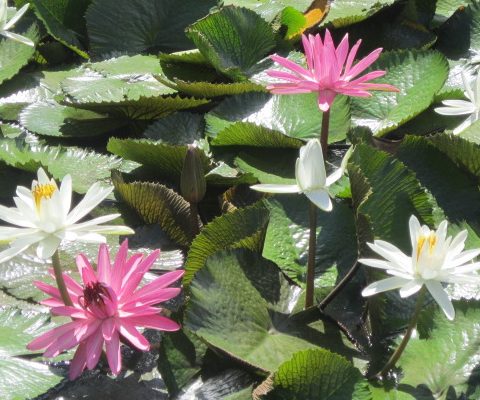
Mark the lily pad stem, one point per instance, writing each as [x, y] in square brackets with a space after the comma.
[413, 323]
[338, 288]
[57, 268]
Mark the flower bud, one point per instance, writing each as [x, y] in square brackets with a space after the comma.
[192, 181]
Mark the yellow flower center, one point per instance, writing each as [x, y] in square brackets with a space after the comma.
[430, 241]
[43, 192]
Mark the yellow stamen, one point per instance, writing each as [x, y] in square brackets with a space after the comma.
[43, 192]
[431, 239]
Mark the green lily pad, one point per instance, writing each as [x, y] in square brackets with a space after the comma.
[233, 40]
[347, 12]
[85, 166]
[23, 378]
[138, 26]
[423, 362]
[262, 117]
[51, 119]
[157, 204]
[242, 228]
[418, 75]
[64, 21]
[318, 374]
[252, 326]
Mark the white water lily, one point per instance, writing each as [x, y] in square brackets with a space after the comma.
[5, 26]
[44, 219]
[435, 258]
[311, 177]
[464, 107]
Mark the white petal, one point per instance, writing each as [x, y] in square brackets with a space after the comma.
[96, 221]
[310, 167]
[16, 17]
[465, 124]
[18, 38]
[48, 246]
[455, 110]
[465, 269]
[410, 288]
[441, 297]
[88, 237]
[9, 233]
[468, 87]
[414, 226]
[272, 188]
[384, 285]
[458, 243]
[66, 193]
[335, 176]
[393, 254]
[320, 198]
[109, 230]
[373, 262]
[94, 196]
[14, 217]
[462, 258]
[459, 104]
[11, 252]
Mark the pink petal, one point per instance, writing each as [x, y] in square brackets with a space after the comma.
[48, 289]
[79, 362]
[68, 311]
[285, 88]
[160, 283]
[114, 356]
[283, 75]
[318, 57]
[118, 265]
[94, 349]
[129, 332]
[309, 50]
[325, 99]
[51, 302]
[363, 64]
[155, 322]
[49, 337]
[351, 57]
[342, 52]
[108, 328]
[103, 265]
[285, 62]
[134, 277]
[367, 77]
[331, 70]
[152, 297]
[138, 311]
[85, 269]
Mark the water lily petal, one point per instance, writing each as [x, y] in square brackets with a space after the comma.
[441, 297]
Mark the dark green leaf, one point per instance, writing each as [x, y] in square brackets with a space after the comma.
[318, 374]
[233, 40]
[242, 228]
[136, 26]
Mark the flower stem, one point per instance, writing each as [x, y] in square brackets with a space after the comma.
[413, 322]
[57, 268]
[324, 133]
[196, 221]
[312, 239]
[312, 242]
[338, 288]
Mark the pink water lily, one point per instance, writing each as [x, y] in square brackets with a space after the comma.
[107, 308]
[330, 71]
